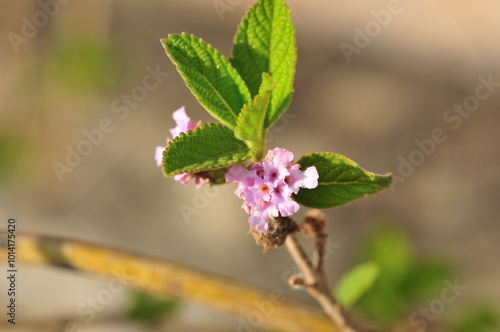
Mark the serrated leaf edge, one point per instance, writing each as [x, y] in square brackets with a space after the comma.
[236, 160]
[240, 80]
[290, 84]
[255, 100]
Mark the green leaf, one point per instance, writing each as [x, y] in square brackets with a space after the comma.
[477, 318]
[391, 249]
[356, 282]
[149, 308]
[405, 279]
[210, 146]
[425, 279]
[83, 60]
[387, 302]
[11, 147]
[340, 181]
[211, 78]
[265, 43]
[250, 124]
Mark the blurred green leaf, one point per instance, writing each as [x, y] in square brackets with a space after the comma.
[383, 304]
[426, 279]
[149, 308]
[82, 60]
[405, 279]
[390, 249]
[10, 151]
[478, 319]
[356, 282]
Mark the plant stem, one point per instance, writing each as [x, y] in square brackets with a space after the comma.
[169, 279]
[317, 283]
[260, 147]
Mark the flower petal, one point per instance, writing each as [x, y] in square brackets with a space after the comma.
[199, 181]
[159, 155]
[298, 179]
[237, 173]
[267, 186]
[183, 178]
[288, 207]
[183, 122]
[258, 222]
[311, 178]
[280, 157]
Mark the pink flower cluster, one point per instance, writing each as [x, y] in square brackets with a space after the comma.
[184, 124]
[267, 186]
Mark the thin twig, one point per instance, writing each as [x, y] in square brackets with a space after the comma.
[296, 250]
[316, 279]
[319, 252]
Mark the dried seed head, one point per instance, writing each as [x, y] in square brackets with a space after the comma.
[296, 282]
[278, 229]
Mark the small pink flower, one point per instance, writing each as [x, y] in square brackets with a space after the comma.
[267, 186]
[260, 214]
[183, 122]
[159, 155]
[251, 187]
[298, 179]
[274, 174]
[183, 125]
[280, 157]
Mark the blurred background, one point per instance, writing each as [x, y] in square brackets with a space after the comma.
[69, 69]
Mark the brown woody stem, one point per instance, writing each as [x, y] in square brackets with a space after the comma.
[317, 282]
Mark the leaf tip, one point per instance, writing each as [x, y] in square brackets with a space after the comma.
[386, 180]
